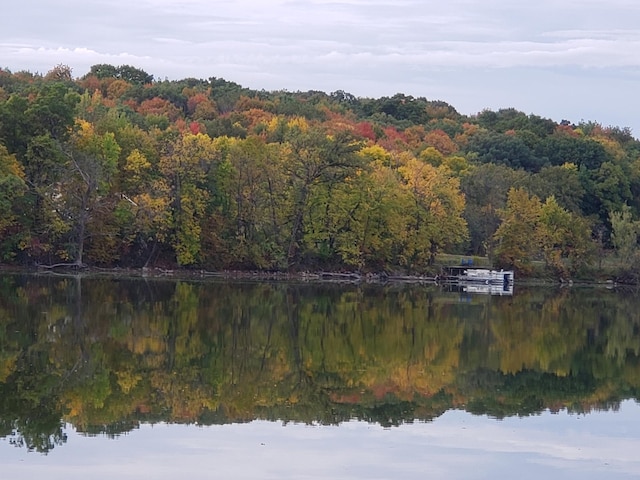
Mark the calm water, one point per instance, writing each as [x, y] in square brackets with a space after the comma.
[106, 378]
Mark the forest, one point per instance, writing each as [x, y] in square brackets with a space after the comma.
[118, 169]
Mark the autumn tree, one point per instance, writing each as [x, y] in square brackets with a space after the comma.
[185, 166]
[315, 159]
[92, 163]
[438, 139]
[518, 236]
[365, 218]
[244, 225]
[201, 107]
[59, 73]
[436, 220]
[12, 190]
[159, 107]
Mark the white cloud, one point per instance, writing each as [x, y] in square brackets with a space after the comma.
[366, 46]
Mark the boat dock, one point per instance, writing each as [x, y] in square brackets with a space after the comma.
[479, 276]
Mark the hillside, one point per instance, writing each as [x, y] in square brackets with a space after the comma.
[115, 168]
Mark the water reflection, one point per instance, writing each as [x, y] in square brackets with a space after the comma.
[109, 355]
[456, 445]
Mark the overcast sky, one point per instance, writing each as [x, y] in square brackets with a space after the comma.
[456, 445]
[570, 59]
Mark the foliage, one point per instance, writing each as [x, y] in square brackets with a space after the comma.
[12, 191]
[435, 221]
[119, 169]
[124, 72]
[518, 236]
[564, 236]
[485, 188]
[624, 236]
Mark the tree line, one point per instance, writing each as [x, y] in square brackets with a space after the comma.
[115, 168]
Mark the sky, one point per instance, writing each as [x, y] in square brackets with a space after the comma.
[575, 60]
[456, 445]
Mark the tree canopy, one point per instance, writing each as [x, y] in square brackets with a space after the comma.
[116, 168]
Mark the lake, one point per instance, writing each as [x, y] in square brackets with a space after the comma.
[160, 378]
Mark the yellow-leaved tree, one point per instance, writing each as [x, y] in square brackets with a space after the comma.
[185, 168]
[518, 236]
[12, 188]
[362, 218]
[435, 218]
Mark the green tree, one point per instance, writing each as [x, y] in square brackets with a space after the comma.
[49, 112]
[505, 149]
[92, 164]
[563, 182]
[127, 73]
[561, 148]
[258, 189]
[315, 158]
[361, 222]
[565, 239]
[612, 186]
[624, 235]
[485, 188]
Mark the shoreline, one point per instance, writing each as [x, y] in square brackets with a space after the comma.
[380, 278]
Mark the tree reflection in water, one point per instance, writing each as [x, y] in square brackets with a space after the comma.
[109, 354]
